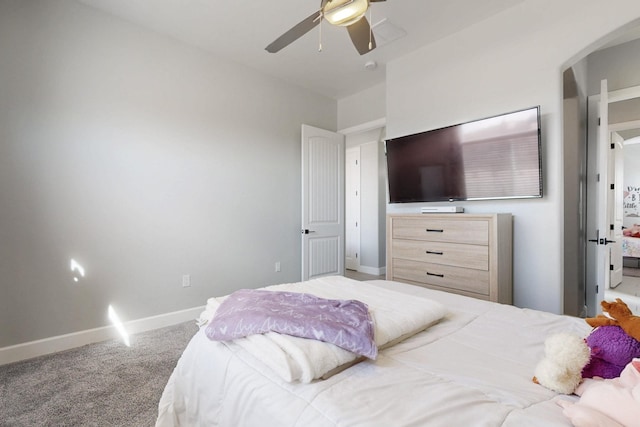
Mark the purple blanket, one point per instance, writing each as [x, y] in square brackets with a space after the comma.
[345, 323]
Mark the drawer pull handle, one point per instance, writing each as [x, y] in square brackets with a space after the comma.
[435, 252]
[435, 274]
[434, 230]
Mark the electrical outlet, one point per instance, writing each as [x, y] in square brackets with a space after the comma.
[277, 266]
[186, 280]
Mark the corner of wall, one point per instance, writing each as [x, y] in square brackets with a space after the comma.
[362, 107]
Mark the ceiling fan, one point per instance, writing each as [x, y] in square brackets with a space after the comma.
[345, 13]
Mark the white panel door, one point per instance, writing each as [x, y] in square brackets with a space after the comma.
[602, 214]
[352, 209]
[322, 203]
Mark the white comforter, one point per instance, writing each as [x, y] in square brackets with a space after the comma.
[473, 368]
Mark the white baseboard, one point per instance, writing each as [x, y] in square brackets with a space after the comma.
[44, 346]
[376, 271]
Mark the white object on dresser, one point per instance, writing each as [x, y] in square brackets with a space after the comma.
[467, 254]
[442, 209]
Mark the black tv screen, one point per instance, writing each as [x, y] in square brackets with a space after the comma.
[494, 158]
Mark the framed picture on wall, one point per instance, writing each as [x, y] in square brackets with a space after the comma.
[632, 201]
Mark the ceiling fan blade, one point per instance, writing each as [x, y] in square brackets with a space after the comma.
[360, 34]
[295, 33]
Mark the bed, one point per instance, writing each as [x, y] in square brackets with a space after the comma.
[472, 367]
[631, 250]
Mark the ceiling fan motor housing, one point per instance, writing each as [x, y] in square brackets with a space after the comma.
[344, 12]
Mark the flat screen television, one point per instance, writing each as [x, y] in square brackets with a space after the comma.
[494, 158]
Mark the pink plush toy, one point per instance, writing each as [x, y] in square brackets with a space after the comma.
[607, 402]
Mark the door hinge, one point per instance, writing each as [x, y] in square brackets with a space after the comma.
[611, 227]
[613, 146]
[613, 186]
[611, 267]
[597, 289]
[356, 255]
[598, 121]
[598, 177]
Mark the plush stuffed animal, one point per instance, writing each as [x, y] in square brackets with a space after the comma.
[607, 402]
[611, 350]
[565, 356]
[617, 313]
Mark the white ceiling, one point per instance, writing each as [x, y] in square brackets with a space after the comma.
[239, 30]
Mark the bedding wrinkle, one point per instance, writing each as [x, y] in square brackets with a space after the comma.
[518, 417]
[439, 331]
[524, 346]
[256, 366]
[458, 381]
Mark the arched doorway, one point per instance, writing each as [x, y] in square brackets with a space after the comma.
[616, 62]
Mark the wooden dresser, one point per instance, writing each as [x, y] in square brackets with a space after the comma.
[466, 254]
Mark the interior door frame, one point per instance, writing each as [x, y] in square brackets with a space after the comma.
[596, 278]
[625, 94]
[614, 128]
[352, 208]
[353, 130]
[616, 211]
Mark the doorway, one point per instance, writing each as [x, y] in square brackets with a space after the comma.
[627, 134]
[619, 62]
[619, 115]
[365, 200]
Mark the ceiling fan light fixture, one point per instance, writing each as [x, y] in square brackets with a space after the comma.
[344, 12]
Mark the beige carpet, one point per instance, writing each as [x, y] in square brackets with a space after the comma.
[102, 384]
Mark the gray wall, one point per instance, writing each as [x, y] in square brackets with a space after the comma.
[143, 159]
[363, 107]
[619, 64]
[503, 64]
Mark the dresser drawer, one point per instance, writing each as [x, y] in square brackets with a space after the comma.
[454, 254]
[474, 232]
[454, 278]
